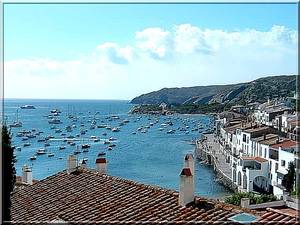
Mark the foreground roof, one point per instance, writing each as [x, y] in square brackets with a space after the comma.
[88, 196]
[285, 215]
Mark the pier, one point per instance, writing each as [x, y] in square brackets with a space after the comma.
[209, 151]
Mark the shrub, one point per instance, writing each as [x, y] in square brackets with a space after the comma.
[235, 199]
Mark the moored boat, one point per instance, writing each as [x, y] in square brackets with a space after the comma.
[50, 154]
[101, 154]
[27, 107]
[41, 151]
[33, 157]
[84, 146]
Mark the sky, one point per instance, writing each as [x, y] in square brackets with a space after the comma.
[120, 51]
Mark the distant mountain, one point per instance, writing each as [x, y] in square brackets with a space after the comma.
[258, 90]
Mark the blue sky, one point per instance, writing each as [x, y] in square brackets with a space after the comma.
[51, 37]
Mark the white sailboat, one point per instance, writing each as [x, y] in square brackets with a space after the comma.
[16, 123]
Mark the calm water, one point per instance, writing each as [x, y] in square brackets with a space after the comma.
[154, 157]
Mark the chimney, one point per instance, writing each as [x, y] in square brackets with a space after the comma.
[189, 162]
[26, 175]
[278, 140]
[71, 164]
[186, 188]
[101, 165]
[245, 202]
[83, 163]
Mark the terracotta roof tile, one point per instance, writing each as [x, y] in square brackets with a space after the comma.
[285, 144]
[258, 159]
[101, 160]
[186, 172]
[286, 216]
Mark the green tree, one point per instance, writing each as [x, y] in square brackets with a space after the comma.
[8, 173]
[289, 179]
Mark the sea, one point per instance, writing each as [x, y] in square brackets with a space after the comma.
[148, 148]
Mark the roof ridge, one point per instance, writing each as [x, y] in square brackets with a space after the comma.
[282, 213]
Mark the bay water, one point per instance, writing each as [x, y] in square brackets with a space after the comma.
[154, 156]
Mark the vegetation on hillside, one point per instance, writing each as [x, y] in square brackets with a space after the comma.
[258, 90]
[183, 109]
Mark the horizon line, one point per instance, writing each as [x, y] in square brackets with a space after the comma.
[93, 99]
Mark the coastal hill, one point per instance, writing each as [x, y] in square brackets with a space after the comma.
[258, 90]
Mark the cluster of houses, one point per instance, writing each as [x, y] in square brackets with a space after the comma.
[260, 141]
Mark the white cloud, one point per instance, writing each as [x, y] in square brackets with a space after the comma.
[190, 39]
[115, 53]
[186, 55]
[156, 41]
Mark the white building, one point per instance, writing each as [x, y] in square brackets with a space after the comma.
[245, 136]
[251, 174]
[266, 113]
[281, 154]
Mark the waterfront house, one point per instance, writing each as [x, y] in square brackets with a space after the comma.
[282, 153]
[251, 174]
[245, 135]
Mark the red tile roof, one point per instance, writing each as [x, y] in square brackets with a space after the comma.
[285, 144]
[258, 159]
[88, 196]
[288, 216]
[186, 172]
[101, 160]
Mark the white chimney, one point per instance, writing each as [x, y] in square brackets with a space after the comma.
[245, 202]
[101, 165]
[189, 162]
[71, 164]
[186, 188]
[26, 175]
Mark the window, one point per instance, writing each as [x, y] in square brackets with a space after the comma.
[244, 137]
[260, 151]
[265, 152]
[282, 162]
[276, 167]
[247, 140]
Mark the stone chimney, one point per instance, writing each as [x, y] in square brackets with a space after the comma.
[26, 175]
[189, 162]
[71, 164]
[101, 165]
[186, 188]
